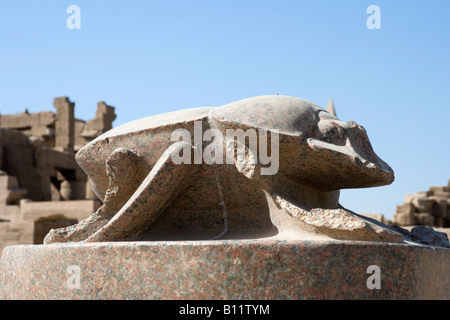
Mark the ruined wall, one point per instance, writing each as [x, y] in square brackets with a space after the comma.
[19, 160]
[41, 185]
[61, 129]
[86, 132]
[40, 124]
[430, 208]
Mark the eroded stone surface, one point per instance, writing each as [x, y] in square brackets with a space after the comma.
[427, 235]
[341, 224]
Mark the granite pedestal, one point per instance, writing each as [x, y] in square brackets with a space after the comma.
[225, 269]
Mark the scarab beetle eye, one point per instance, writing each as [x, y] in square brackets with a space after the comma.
[332, 132]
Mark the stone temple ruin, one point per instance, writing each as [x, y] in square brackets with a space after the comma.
[429, 208]
[41, 185]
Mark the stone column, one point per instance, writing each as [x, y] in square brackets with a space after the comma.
[106, 114]
[64, 124]
[66, 190]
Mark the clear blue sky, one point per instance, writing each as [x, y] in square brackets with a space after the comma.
[150, 57]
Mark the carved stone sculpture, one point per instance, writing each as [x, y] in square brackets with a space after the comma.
[292, 193]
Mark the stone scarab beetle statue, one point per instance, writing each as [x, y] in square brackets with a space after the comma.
[154, 187]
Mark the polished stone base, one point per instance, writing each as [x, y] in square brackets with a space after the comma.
[225, 269]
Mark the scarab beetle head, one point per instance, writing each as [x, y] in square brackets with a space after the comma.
[315, 147]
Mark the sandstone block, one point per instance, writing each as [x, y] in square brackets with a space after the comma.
[438, 189]
[403, 219]
[424, 218]
[423, 204]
